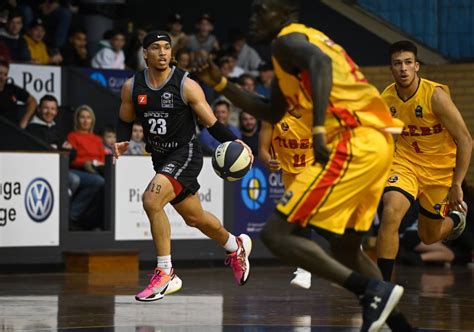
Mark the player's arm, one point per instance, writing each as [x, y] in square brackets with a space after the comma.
[264, 147]
[194, 95]
[450, 117]
[270, 111]
[125, 119]
[299, 55]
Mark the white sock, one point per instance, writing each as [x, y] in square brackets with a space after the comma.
[164, 263]
[231, 244]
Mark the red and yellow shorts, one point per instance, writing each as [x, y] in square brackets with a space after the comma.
[346, 191]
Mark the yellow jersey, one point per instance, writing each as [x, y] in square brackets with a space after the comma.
[424, 141]
[292, 140]
[353, 102]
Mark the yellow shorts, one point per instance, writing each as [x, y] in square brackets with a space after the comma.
[414, 183]
[288, 179]
[345, 192]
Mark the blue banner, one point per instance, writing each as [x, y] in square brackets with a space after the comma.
[256, 195]
[109, 78]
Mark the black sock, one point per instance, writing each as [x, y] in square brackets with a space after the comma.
[386, 267]
[456, 219]
[356, 283]
[398, 323]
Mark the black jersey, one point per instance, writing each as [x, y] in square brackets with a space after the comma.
[168, 121]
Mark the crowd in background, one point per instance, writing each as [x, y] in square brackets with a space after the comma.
[46, 32]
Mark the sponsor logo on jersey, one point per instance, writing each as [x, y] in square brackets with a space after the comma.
[169, 168]
[167, 100]
[393, 179]
[142, 99]
[419, 111]
[393, 110]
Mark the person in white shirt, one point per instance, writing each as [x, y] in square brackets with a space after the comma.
[110, 54]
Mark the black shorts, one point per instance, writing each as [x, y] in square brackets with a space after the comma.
[184, 164]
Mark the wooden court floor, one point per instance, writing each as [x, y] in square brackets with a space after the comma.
[436, 299]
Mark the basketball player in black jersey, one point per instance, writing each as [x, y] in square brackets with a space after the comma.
[167, 102]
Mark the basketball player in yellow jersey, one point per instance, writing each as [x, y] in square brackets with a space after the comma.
[338, 194]
[431, 158]
[288, 146]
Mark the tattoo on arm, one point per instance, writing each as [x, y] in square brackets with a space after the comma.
[153, 187]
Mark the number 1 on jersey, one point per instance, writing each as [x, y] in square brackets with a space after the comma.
[416, 147]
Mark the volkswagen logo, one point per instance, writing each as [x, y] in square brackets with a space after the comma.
[39, 199]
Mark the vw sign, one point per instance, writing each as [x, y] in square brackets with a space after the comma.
[39, 199]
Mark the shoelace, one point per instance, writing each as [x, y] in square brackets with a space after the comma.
[156, 278]
[237, 259]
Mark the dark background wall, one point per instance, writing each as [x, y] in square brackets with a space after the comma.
[363, 46]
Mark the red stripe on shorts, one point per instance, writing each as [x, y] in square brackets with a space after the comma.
[330, 176]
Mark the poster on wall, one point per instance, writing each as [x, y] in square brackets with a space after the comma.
[132, 175]
[37, 80]
[111, 79]
[29, 199]
[255, 198]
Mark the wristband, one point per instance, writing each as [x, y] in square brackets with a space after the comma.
[124, 130]
[221, 85]
[319, 130]
[221, 132]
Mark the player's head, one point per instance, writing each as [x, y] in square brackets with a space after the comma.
[157, 50]
[403, 62]
[270, 16]
[48, 108]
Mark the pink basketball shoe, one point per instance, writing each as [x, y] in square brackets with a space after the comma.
[239, 260]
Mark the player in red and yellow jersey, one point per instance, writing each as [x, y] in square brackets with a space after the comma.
[431, 158]
[288, 146]
[350, 125]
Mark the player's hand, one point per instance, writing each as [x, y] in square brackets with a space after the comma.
[205, 69]
[273, 165]
[119, 149]
[321, 151]
[455, 198]
[247, 147]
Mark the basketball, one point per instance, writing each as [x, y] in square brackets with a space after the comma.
[231, 161]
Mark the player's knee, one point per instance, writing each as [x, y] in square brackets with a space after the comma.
[391, 219]
[150, 204]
